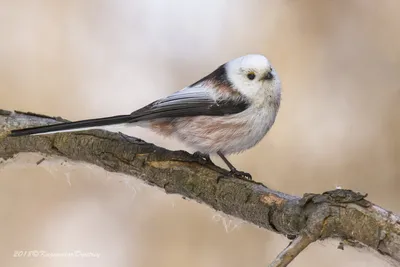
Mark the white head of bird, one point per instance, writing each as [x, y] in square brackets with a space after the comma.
[253, 76]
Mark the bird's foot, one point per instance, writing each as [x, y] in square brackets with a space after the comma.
[240, 174]
[236, 174]
[203, 158]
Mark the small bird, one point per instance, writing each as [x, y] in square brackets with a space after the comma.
[226, 112]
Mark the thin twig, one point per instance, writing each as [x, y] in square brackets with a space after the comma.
[291, 251]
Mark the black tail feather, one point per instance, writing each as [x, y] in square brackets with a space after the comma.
[73, 125]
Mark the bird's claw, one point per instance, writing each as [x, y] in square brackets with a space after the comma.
[240, 174]
[236, 174]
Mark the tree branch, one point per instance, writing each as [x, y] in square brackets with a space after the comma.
[292, 250]
[341, 214]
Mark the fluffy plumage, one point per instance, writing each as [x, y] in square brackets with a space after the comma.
[232, 133]
[228, 111]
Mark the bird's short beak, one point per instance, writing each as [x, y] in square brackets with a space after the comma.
[268, 76]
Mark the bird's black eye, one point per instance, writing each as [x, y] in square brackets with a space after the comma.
[251, 76]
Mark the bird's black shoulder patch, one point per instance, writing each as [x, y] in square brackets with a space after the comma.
[218, 76]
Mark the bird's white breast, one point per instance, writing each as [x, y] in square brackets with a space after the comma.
[229, 134]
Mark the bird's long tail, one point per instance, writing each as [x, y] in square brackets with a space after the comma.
[73, 126]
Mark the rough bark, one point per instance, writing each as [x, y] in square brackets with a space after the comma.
[341, 214]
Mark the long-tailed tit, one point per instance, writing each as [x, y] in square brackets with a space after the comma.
[226, 112]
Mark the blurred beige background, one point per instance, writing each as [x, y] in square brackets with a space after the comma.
[338, 125]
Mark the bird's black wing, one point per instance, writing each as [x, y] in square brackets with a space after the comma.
[191, 101]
